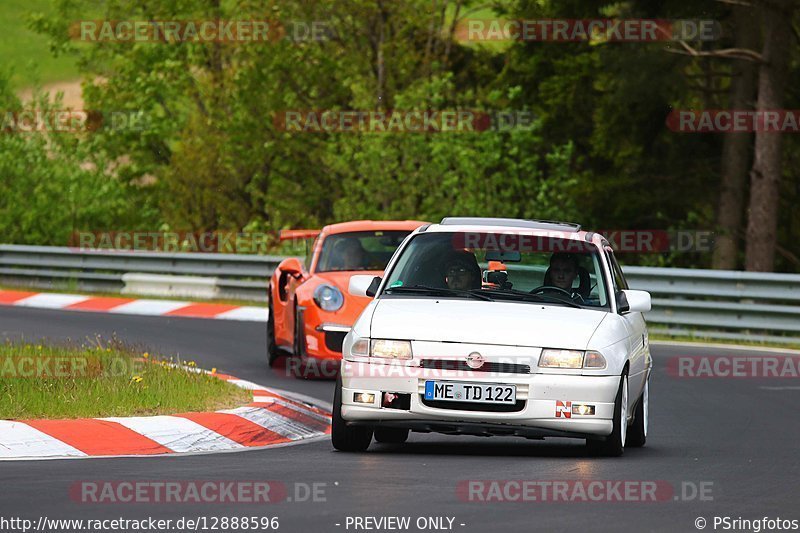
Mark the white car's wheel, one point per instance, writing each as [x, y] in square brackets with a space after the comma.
[391, 435]
[614, 444]
[637, 435]
[343, 437]
[624, 416]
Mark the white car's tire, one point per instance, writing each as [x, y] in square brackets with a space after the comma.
[614, 444]
[391, 435]
[343, 437]
[637, 433]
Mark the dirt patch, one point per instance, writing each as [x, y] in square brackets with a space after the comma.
[73, 95]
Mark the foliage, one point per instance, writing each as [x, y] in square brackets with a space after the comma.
[56, 183]
[213, 156]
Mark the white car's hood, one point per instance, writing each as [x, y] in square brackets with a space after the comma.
[472, 321]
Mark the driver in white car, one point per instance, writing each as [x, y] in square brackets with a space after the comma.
[462, 271]
[562, 272]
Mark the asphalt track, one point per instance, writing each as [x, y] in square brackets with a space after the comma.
[734, 434]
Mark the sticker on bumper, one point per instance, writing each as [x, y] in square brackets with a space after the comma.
[563, 409]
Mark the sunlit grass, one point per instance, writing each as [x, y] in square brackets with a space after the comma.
[104, 379]
[26, 52]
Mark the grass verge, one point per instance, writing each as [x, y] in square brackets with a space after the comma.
[104, 379]
[698, 337]
[26, 52]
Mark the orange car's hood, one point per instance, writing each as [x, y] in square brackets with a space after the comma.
[341, 279]
[353, 305]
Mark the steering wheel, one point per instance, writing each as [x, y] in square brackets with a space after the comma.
[572, 295]
[543, 288]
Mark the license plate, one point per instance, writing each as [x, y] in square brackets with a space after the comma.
[452, 391]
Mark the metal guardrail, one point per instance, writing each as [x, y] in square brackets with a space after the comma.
[708, 303]
[239, 276]
[722, 304]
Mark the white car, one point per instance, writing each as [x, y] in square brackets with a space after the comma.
[486, 326]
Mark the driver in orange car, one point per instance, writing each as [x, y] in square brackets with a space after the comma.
[348, 254]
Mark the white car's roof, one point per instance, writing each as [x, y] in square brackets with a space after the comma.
[559, 230]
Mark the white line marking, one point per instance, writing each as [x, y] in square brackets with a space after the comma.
[51, 300]
[274, 422]
[178, 434]
[149, 307]
[299, 409]
[18, 441]
[243, 383]
[318, 438]
[255, 314]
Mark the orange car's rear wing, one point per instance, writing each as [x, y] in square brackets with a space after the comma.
[296, 234]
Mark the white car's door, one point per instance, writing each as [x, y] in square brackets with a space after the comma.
[638, 344]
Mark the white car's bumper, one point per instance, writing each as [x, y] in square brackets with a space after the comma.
[543, 402]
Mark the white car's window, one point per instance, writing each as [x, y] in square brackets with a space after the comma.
[617, 278]
[500, 266]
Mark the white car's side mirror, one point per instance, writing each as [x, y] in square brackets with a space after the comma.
[637, 301]
[361, 285]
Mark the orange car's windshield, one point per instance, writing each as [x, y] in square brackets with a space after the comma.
[360, 250]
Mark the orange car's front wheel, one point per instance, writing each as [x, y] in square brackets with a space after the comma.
[300, 368]
[303, 366]
[272, 348]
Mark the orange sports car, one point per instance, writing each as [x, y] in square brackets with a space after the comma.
[310, 311]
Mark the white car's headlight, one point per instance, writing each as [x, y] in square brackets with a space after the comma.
[561, 359]
[328, 297]
[554, 358]
[391, 349]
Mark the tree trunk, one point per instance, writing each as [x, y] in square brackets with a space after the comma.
[736, 151]
[766, 173]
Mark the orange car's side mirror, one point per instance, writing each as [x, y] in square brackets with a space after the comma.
[292, 266]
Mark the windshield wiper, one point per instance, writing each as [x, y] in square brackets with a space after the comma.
[528, 297]
[420, 289]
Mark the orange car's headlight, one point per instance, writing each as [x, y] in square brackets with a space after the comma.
[328, 297]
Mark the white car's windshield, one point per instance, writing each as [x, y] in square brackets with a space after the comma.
[500, 266]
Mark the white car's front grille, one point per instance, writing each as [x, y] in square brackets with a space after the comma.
[495, 367]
